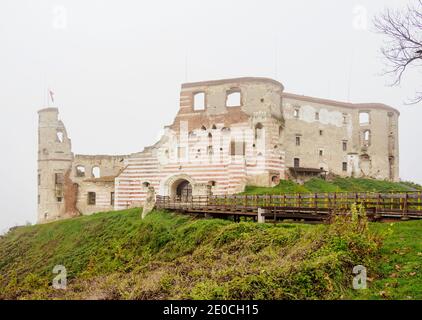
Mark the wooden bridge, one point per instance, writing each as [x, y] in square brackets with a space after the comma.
[313, 207]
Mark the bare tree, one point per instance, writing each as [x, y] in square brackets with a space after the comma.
[402, 48]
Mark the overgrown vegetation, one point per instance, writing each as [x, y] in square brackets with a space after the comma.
[398, 270]
[117, 255]
[336, 185]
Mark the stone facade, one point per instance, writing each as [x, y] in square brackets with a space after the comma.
[227, 134]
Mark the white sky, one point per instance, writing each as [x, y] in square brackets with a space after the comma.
[116, 68]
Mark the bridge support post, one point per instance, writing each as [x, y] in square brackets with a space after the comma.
[261, 217]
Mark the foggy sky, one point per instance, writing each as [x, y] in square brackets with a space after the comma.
[116, 68]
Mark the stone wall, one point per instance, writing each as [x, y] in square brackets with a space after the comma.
[323, 126]
[226, 134]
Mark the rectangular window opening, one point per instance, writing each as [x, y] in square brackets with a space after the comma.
[199, 101]
[91, 198]
[181, 152]
[364, 118]
[234, 98]
[59, 178]
[237, 148]
[112, 198]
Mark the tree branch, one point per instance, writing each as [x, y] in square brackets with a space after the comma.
[402, 48]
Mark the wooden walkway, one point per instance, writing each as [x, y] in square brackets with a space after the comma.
[314, 207]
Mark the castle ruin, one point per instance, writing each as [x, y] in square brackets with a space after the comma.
[227, 134]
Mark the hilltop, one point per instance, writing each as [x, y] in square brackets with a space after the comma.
[335, 185]
[116, 255]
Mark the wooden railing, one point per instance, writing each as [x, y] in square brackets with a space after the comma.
[382, 204]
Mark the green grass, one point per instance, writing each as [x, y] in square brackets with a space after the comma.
[285, 186]
[398, 272]
[117, 255]
[336, 185]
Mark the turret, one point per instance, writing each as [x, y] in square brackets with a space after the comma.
[54, 162]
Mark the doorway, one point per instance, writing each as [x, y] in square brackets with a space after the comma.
[184, 190]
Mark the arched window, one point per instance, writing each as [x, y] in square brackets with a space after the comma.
[199, 101]
[96, 172]
[60, 136]
[192, 135]
[233, 98]
[225, 130]
[210, 148]
[365, 157]
[80, 171]
[366, 137]
[275, 180]
[259, 131]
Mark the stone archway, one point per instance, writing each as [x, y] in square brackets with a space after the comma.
[178, 185]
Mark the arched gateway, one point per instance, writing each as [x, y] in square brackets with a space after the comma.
[178, 186]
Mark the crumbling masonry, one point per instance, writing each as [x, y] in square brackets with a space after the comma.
[227, 134]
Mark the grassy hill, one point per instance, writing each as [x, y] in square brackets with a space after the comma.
[116, 255]
[336, 185]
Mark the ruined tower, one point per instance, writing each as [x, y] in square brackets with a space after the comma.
[54, 161]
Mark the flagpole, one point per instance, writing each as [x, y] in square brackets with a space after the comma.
[45, 91]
